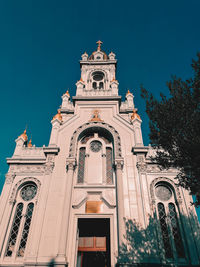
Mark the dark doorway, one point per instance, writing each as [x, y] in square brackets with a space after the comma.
[94, 243]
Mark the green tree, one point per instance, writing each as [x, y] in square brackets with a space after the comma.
[175, 128]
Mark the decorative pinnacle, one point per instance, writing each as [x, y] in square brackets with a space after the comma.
[99, 43]
[67, 93]
[30, 143]
[135, 115]
[24, 135]
[128, 93]
[58, 116]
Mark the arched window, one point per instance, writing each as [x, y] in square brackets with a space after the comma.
[169, 223]
[95, 159]
[94, 85]
[21, 221]
[98, 80]
[81, 165]
[109, 166]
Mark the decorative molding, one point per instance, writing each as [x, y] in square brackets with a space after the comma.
[142, 166]
[20, 184]
[10, 176]
[109, 128]
[27, 168]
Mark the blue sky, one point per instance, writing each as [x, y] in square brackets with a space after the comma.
[42, 42]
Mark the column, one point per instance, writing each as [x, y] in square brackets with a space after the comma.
[120, 200]
[61, 257]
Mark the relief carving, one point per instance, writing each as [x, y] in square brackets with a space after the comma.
[10, 177]
[49, 165]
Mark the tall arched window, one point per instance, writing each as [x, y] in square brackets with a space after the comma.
[95, 159]
[21, 221]
[81, 165]
[170, 225]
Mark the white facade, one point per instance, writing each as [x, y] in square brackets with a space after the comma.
[94, 173]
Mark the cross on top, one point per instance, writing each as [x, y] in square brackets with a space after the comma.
[99, 45]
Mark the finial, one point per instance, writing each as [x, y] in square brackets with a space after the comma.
[24, 135]
[99, 45]
[113, 80]
[135, 115]
[95, 116]
[67, 93]
[30, 143]
[58, 116]
[128, 92]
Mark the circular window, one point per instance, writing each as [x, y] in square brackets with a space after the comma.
[98, 76]
[28, 192]
[95, 146]
[163, 192]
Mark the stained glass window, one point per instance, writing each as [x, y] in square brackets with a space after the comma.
[25, 232]
[109, 168]
[164, 230]
[163, 192]
[81, 165]
[14, 230]
[28, 192]
[95, 146]
[176, 231]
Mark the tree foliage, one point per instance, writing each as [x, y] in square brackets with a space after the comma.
[140, 244]
[175, 128]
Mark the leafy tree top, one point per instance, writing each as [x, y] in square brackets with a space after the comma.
[175, 128]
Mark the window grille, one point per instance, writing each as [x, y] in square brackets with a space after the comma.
[164, 229]
[25, 232]
[176, 231]
[109, 168]
[15, 230]
[81, 165]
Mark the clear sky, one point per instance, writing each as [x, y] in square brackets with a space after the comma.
[41, 43]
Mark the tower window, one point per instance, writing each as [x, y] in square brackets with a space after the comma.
[98, 76]
[94, 85]
[101, 85]
[98, 80]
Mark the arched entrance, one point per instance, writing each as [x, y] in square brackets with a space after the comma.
[93, 242]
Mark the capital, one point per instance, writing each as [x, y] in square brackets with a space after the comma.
[119, 163]
[70, 164]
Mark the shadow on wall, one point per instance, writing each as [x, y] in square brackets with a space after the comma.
[145, 247]
[51, 263]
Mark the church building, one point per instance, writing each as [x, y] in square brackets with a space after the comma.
[76, 201]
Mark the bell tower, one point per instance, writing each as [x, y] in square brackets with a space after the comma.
[98, 74]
